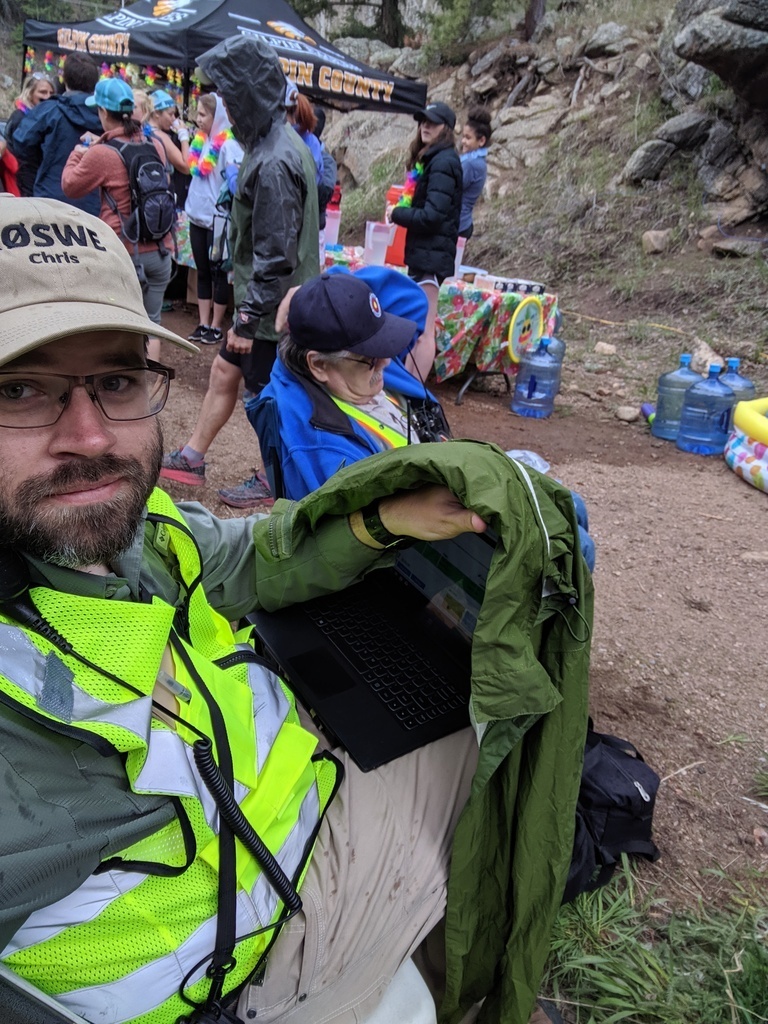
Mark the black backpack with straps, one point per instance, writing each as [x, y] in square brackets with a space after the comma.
[153, 204]
[614, 812]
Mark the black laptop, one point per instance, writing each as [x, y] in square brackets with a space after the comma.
[384, 666]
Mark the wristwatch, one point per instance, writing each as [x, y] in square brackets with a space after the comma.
[244, 325]
[378, 531]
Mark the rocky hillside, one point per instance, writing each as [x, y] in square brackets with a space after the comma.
[580, 76]
[630, 180]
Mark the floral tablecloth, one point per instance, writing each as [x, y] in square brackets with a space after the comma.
[472, 325]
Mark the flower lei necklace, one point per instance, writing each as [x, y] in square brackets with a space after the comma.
[202, 168]
[411, 181]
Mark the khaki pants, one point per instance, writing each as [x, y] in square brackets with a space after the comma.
[374, 889]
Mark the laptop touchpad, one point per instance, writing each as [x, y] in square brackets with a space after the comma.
[328, 673]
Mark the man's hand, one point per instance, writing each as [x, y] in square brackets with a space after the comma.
[430, 513]
[237, 344]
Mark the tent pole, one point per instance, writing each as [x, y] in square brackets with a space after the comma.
[186, 92]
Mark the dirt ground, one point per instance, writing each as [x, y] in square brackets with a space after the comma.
[680, 580]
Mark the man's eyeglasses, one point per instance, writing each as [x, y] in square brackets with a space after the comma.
[29, 399]
[370, 363]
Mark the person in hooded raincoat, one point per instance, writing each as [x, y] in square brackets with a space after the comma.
[273, 242]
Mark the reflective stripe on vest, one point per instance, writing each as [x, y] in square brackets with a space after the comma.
[387, 436]
[45, 683]
[128, 938]
[142, 990]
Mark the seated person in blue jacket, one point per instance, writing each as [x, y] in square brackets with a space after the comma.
[341, 392]
[341, 389]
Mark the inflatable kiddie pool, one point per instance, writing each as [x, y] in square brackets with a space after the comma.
[747, 449]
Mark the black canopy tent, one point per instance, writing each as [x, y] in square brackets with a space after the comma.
[173, 33]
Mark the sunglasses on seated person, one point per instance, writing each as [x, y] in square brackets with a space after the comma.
[370, 363]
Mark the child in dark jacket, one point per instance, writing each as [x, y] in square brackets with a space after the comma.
[429, 211]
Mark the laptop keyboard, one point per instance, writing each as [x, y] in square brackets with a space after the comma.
[396, 671]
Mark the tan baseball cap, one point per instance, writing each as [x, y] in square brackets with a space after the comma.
[64, 272]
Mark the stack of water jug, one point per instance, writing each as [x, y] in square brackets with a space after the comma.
[695, 412]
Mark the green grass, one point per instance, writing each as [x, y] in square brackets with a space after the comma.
[734, 738]
[648, 15]
[622, 955]
[760, 780]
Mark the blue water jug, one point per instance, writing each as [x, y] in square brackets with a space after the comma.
[557, 349]
[706, 417]
[536, 383]
[742, 387]
[669, 403]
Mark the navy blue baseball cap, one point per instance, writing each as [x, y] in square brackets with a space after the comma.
[339, 311]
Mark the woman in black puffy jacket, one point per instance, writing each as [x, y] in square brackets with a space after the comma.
[429, 211]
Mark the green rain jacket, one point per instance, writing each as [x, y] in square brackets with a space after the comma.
[530, 667]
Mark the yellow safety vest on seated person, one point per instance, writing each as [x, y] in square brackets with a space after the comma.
[384, 436]
[119, 947]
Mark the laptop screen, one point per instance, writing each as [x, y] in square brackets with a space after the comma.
[451, 574]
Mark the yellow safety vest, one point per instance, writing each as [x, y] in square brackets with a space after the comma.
[386, 436]
[118, 948]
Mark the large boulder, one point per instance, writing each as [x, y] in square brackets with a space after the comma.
[488, 60]
[409, 63]
[648, 161]
[382, 56]
[357, 49]
[359, 139]
[686, 130]
[722, 149]
[521, 134]
[609, 40]
[729, 38]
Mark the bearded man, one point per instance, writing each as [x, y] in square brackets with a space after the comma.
[178, 840]
[118, 656]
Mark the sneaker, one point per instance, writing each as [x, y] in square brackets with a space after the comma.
[212, 336]
[199, 334]
[176, 467]
[253, 491]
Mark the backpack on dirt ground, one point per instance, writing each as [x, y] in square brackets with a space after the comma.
[153, 204]
[614, 812]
